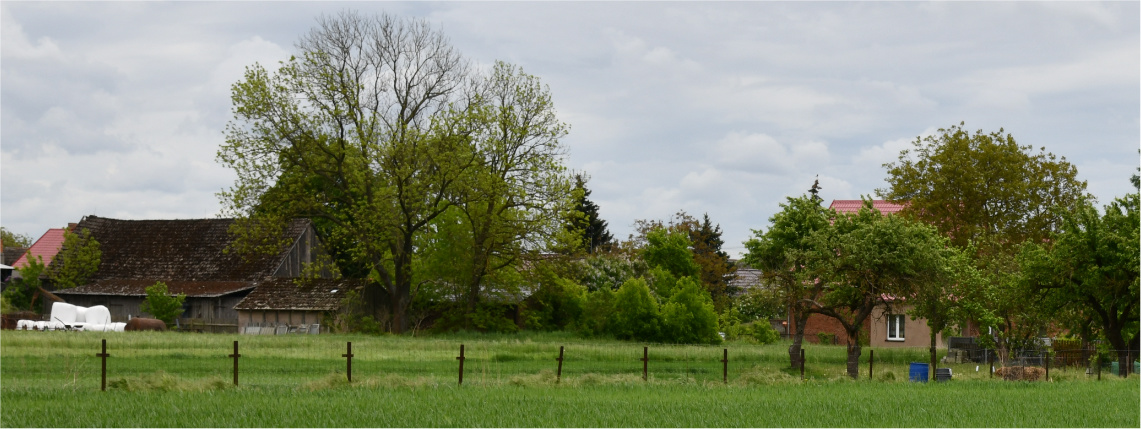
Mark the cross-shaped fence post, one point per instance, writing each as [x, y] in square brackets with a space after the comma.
[461, 359]
[725, 366]
[235, 356]
[645, 363]
[559, 374]
[349, 361]
[104, 355]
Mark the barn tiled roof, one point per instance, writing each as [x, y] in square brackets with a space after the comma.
[853, 206]
[745, 278]
[285, 294]
[46, 247]
[136, 287]
[12, 254]
[186, 250]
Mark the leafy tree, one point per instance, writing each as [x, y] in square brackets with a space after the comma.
[1090, 268]
[161, 304]
[607, 270]
[597, 313]
[862, 260]
[950, 296]
[781, 253]
[514, 195]
[368, 131]
[12, 239]
[704, 244]
[636, 314]
[23, 289]
[670, 250]
[983, 188]
[76, 261]
[595, 234]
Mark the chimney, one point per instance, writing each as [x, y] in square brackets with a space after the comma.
[71, 226]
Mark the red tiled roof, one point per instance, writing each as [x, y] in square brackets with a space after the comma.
[312, 294]
[137, 287]
[46, 247]
[853, 206]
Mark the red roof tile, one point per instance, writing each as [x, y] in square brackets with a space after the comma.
[853, 206]
[46, 247]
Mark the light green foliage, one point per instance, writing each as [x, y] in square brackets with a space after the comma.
[1089, 271]
[662, 282]
[983, 187]
[688, 316]
[636, 315]
[21, 292]
[76, 261]
[13, 239]
[781, 255]
[764, 333]
[866, 259]
[671, 251]
[161, 304]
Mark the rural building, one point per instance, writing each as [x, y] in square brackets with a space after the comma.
[46, 247]
[284, 301]
[191, 257]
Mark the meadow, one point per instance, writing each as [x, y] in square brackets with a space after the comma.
[173, 379]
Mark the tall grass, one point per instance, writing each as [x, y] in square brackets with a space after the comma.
[176, 379]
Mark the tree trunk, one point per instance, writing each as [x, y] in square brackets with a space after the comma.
[931, 373]
[401, 294]
[799, 319]
[853, 357]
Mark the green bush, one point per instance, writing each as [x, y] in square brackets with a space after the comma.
[688, 316]
[636, 314]
[764, 333]
[556, 304]
[161, 304]
[729, 322]
[21, 291]
[597, 313]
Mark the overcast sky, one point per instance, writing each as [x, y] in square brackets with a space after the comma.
[117, 109]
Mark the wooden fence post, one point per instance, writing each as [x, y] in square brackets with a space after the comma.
[871, 364]
[559, 374]
[349, 361]
[802, 363]
[104, 355]
[235, 356]
[725, 367]
[1047, 366]
[645, 363]
[461, 359]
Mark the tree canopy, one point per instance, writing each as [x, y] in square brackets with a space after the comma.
[983, 187]
[76, 261]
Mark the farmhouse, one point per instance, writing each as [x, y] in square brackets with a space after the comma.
[192, 257]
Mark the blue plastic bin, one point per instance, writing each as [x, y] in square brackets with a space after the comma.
[918, 372]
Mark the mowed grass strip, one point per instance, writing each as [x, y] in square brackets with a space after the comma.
[174, 379]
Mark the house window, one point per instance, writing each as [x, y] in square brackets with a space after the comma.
[895, 327]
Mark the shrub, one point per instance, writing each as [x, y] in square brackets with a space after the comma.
[160, 304]
[729, 322]
[764, 333]
[556, 304]
[21, 292]
[636, 314]
[688, 316]
[597, 312]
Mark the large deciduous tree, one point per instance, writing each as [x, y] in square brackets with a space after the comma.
[367, 130]
[983, 188]
[867, 260]
[1090, 270]
[780, 253]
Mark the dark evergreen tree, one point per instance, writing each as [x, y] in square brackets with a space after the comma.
[595, 234]
[715, 265]
[815, 190]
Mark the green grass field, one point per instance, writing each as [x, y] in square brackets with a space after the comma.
[175, 379]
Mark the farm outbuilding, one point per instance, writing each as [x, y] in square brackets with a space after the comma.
[294, 302]
[194, 257]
